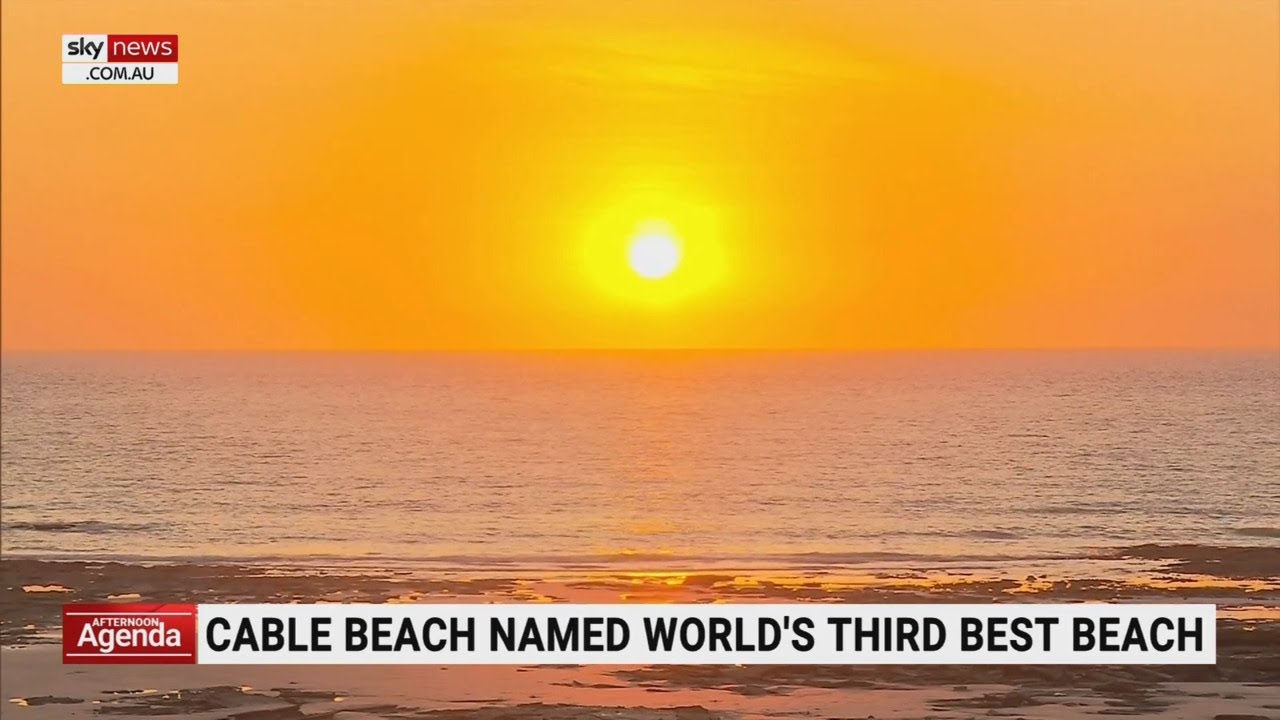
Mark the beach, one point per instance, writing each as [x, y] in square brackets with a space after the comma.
[1245, 683]
[772, 359]
[642, 478]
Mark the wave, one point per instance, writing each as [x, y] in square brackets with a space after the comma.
[991, 534]
[89, 527]
[1264, 532]
[1237, 562]
[1118, 508]
[604, 562]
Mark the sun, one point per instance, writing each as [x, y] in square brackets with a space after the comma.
[654, 253]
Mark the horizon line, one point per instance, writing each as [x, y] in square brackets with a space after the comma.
[671, 349]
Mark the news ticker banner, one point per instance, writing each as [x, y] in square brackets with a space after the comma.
[704, 634]
[119, 59]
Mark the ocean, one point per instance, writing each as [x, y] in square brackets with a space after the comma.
[658, 461]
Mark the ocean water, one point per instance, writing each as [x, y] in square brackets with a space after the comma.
[665, 460]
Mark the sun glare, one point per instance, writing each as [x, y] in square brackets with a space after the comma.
[653, 249]
[654, 253]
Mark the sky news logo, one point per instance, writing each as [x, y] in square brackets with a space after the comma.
[119, 59]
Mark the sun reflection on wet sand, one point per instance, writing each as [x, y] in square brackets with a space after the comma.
[677, 587]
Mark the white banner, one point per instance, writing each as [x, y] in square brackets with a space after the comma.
[705, 634]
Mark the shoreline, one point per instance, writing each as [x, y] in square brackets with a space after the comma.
[1243, 684]
[38, 686]
[1243, 580]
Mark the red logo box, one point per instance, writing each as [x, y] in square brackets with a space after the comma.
[129, 633]
[142, 48]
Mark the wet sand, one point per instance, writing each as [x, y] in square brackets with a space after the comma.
[1245, 683]
[516, 693]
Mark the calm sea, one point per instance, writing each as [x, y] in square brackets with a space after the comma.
[654, 460]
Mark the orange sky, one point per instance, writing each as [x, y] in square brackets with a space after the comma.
[450, 174]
